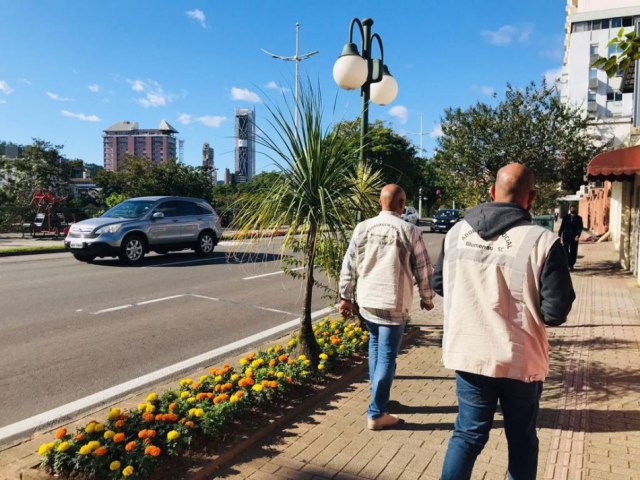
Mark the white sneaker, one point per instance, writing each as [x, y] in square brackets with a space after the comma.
[384, 421]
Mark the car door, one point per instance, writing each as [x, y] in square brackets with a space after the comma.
[164, 230]
[189, 218]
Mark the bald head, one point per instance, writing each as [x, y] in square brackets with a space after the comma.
[515, 183]
[393, 198]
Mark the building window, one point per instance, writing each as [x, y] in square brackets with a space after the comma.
[596, 25]
[593, 49]
[593, 73]
[616, 22]
[591, 96]
[627, 21]
[614, 50]
[614, 96]
[604, 23]
[581, 27]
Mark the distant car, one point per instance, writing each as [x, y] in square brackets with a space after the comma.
[410, 215]
[443, 220]
[140, 225]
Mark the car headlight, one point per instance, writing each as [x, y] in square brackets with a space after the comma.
[113, 228]
[452, 221]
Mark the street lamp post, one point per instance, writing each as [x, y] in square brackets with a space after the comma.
[354, 70]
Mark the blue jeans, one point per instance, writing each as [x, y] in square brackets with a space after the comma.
[477, 400]
[384, 344]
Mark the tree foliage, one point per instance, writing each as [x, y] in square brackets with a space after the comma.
[140, 177]
[531, 126]
[628, 44]
[314, 198]
[390, 153]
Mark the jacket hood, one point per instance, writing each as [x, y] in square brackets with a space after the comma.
[492, 219]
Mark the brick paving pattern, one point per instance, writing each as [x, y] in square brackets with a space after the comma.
[589, 424]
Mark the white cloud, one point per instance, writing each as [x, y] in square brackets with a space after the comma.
[80, 116]
[5, 88]
[212, 121]
[399, 112]
[198, 16]
[154, 95]
[94, 88]
[485, 90]
[507, 34]
[58, 98]
[274, 86]
[553, 75]
[2, 102]
[436, 131]
[244, 95]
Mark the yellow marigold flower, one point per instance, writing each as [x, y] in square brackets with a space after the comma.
[185, 381]
[321, 366]
[115, 465]
[93, 445]
[233, 399]
[292, 343]
[256, 363]
[98, 427]
[304, 373]
[85, 450]
[142, 407]
[302, 358]
[45, 448]
[307, 362]
[172, 435]
[114, 413]
[152, 397]
[324, 356]
[90, 427]
[218, 378]
[243, 361]
[235, 377]
[199, 412]
[64, 446]
[108, 435]
[257, 388]
[280, 374]
[185, 394]
[203, 378]
[191, 400]
[127, 471]
[320, 341]
[249, 372]
[150, 408]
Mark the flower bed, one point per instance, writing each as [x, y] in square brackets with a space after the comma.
[132, 444]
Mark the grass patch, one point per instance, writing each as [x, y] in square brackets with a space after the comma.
[31, 249]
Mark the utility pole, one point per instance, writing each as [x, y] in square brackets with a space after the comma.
[296, 58]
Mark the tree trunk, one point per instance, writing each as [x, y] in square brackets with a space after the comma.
[308, 344]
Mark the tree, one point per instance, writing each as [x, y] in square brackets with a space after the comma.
[390, 153]
[531, 126]
[314, 199]
[628, 44]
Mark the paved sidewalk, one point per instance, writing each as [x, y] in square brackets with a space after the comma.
[589, 425]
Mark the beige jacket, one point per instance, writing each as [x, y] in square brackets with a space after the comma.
[493, 325]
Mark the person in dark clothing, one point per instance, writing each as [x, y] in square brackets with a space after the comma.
[503, 281]
[570, 231]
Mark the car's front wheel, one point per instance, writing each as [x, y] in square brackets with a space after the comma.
[132, 250]
[206, 244]
[84, 257]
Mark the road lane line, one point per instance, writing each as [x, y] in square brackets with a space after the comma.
[56, 415]
[147, 302]
[112, 309]
[193, 260]
[272, 273]
[243, 304]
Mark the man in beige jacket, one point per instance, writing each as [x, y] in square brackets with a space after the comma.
[502, 279]
[384, 257]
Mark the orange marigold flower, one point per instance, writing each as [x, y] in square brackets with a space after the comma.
[142, 433]
[217, 388]
[273, 362]
[172, 406]
[289, 380]
[242, 382]
[250, 381]
[172, 417]
[151, 433]
[160, 417]
[217, 400]
[182, 420]
[131, 446]
[147, 441]
[291, 361]
[189, 424]
[100, 451]
[118, 438]
[239, 394]
[119, 424]
[283, 358]
[201, 396]
[228, 386]
[224, 397]
[61, 433]
[273, 384]
[148, 417]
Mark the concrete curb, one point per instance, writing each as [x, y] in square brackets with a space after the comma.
[274, 423]
[32, 252]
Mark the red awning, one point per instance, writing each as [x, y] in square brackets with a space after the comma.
[621, 164]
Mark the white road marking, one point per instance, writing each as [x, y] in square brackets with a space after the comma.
[241, 303]
[112, 309]
[147, 302]
[56, 415]
[272, 273]
[194, 260]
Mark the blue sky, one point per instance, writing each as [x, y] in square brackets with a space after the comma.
[69, 69]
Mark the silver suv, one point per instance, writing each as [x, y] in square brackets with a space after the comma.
[139, 225]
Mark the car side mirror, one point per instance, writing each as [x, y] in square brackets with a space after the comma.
[157, 215]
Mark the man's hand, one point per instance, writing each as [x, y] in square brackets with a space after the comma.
[577, 238]
[346, 308]
[426, 305]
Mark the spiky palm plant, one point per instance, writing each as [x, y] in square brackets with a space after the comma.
[317, 199]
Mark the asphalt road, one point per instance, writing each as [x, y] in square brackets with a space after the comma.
[70, 329]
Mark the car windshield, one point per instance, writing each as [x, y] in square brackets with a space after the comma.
[129, 209]
[447, 214]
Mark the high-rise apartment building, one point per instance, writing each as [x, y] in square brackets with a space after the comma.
[125, 138]
[608, 102]
[208, 164]
[245, 145]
